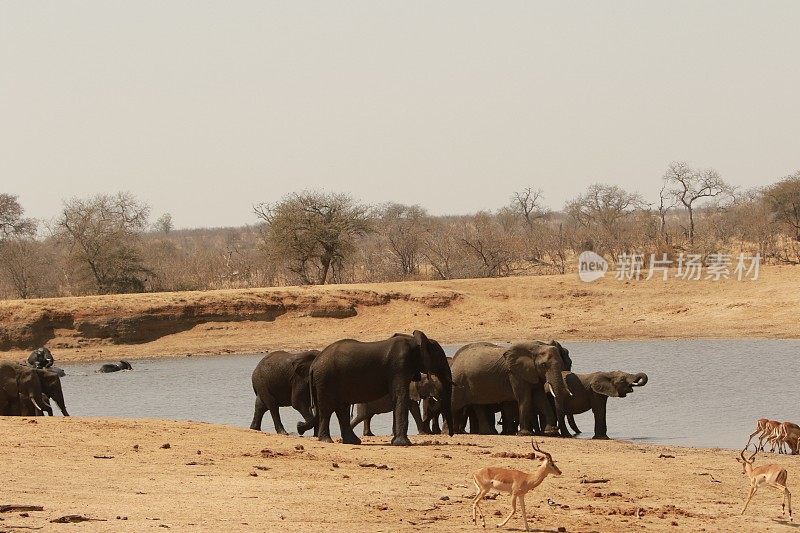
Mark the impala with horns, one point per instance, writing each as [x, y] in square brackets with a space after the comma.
[773, 476]
[515, 482]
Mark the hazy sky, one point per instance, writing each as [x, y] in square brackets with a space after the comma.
[204, 108]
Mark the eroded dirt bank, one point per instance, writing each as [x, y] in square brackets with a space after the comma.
[561, 307]
[220, 478]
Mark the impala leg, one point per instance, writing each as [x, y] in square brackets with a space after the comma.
[753, 434]
[749, 497]
[476, 509]
[513, 511]
[787, 498]
[522, 508]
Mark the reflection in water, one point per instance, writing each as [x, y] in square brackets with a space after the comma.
[700, 392]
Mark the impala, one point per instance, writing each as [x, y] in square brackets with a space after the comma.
[768, 475]
[768, 434]
[788, 433]
[515, 482]
[761, 425]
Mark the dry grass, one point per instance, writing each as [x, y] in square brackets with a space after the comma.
[543, 307]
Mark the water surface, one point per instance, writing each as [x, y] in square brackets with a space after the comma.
[705, 393]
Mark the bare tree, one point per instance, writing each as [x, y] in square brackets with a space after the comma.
[527, 203]
[603, 211]
[313, 232]
[689, 187]
[665, 202]
[485, 239]
[27, 266]
[103, 234]
[12, 220]
[403, 228]
[164, 224]
[783, 199]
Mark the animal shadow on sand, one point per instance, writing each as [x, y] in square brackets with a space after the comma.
[785, 522]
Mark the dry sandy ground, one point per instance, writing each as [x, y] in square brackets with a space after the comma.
[219, 478]
[541, 307]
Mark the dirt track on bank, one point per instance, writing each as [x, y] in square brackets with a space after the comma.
[220, 478]
[541, 307]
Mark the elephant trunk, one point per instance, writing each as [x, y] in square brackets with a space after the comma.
[58, 397]
[558, 388]
[639, 380]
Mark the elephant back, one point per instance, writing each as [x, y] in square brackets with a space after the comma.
[475, 359]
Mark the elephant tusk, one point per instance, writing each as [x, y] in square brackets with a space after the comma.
[434, 398]
[550, 389]
[36, 404]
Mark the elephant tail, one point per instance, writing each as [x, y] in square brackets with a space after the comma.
[311, 391]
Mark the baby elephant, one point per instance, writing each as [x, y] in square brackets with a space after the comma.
[591, 391]
[115, 367]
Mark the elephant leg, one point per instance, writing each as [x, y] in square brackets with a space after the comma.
[472, 417]
[400, 424]
[348, 436]
[523, 392]
[275, 412]
[599, 412]
[435, 428]
[368, 427]
[324, 412]
[258, 414]
[459, 421]
[413, 408]
[362, 415]
[485, 417]
[509, 412]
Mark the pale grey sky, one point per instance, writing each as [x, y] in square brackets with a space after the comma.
[204, 108]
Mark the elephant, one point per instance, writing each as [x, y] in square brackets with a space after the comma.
[41, 358]
[485, 373]
[50, 382]
[280, 379]
[351, 372]
[422, 390]
[115, 367]
[591, 391]
[51, 389]
[20, 391]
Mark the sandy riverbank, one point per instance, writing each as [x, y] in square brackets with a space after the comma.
[220, 478]
[542, 307]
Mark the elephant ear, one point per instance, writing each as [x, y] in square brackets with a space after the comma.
[300, 367]
[564, 354]
[425, 351]
[522, 363]
[602, 384]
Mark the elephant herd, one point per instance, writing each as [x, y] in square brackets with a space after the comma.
[27, 391]
[27, 388]
[529, 383]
